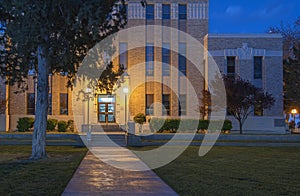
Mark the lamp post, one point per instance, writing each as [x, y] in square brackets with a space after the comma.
[294, 112]
[89, 134]
[125, 91]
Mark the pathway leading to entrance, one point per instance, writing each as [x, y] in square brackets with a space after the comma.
[94, 177]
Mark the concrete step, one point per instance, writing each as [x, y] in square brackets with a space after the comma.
[105, 140]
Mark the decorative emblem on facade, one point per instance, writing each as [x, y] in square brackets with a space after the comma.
[245, 53]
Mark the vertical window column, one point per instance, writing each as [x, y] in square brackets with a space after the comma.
[182, 58]
[166, 59]
[149, 59]
[182, 16]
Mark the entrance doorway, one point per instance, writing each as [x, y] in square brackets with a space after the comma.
[106, 109]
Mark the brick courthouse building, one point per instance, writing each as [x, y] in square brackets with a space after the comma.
[255, 57]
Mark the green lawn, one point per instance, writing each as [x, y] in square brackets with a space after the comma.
[235, 171]
[20, 176]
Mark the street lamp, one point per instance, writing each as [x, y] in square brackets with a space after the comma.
[89, 134]
[294, 112]
[125, 91]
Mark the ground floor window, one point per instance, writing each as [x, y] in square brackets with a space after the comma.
[30, 103]
[182, 105]
[64, 104]
[149, 104]
[166, 104]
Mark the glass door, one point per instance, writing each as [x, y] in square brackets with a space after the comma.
[106, 109]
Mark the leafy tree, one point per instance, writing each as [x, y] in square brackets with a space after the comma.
[242, 97]
[52, 37]
[291, 63]
[291, 86]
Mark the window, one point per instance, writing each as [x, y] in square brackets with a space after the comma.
[149, 106]
[182, 105]
[231, 66]
[258, 110]
[50, 104]
[182, 12]
[64, 104]
[166, 12]
[123, 56]
[166, 104]
[150, 59]
[182, 58]
[166, 59]
[258, 60]
[30, 103]
[150, 12]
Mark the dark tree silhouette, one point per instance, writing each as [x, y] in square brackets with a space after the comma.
[242, 96]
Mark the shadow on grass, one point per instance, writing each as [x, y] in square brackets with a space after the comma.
[21, 176]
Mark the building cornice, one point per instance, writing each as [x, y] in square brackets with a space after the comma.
[258, 35]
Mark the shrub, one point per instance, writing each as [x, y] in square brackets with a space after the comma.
[140, 118]
[227, 125]
[183, 125]
[71, 125]
[24, 124]
[203, 125]
[62, 126]
[51, 124]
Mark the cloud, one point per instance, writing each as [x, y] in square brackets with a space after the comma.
[233, 10]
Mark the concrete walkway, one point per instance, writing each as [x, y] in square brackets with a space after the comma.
[95, 177]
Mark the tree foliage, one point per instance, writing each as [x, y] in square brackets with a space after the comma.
[291, 63]
[242, 97]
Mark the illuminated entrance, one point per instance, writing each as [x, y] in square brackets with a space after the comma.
[106, 108]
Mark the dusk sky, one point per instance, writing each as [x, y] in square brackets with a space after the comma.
[255, 16]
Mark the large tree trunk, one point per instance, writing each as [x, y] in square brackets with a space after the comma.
[40, 124]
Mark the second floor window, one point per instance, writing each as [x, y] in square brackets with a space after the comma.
[166, 12]
[231, 66]
[182, 12]
[258, 61]
[150, 12]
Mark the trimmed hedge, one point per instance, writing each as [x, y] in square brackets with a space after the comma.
[62, 126]
[71, 125]
[51, 124]
[25, 124]
[183, 125]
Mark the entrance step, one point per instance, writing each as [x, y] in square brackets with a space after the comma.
[96, 128]
[105, 140]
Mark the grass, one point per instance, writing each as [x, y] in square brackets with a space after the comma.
[235, 171]
[20, 176]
